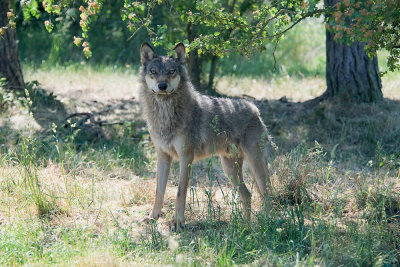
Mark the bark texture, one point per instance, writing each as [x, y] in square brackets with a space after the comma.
[10, 66]
[211, 76]
[195, 63]
[350, 73]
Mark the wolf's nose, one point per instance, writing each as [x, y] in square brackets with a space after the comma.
[162, 86]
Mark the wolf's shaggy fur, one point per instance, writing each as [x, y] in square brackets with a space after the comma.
[185, 125]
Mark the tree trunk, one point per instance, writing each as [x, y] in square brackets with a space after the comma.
[10, 67]
[350, 73]
[213, 68]
[194, 62]
[195, 67]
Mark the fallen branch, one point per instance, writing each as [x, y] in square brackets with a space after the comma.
[91, 118]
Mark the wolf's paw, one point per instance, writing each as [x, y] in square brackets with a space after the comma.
[177, 225]
[155, 214]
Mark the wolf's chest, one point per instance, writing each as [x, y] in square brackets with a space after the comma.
[174, 145]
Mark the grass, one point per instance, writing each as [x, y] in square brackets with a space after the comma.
[73, 193]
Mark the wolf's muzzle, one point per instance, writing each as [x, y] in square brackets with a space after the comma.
[162, 86]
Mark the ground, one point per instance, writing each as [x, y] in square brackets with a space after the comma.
[77, 177]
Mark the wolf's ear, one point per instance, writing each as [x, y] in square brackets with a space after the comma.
[180, 52]
[146, 53]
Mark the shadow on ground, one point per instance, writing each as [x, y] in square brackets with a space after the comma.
[350, 133]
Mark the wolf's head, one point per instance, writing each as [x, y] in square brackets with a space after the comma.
[162, 74]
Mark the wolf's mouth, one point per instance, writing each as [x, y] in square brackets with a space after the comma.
[163, 93]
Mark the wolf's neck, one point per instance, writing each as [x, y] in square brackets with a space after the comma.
[165, 114]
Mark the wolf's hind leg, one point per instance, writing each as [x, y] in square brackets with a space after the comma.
[259, 169]
[163, 166]
[233, 170]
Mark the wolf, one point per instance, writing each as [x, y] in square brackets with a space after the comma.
[186, 126]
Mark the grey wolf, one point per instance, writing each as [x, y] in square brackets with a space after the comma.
[185, 125]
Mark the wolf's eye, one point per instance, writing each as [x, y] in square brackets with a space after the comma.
[152, 71]
[172, 71]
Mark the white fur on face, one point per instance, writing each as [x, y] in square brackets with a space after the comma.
[152, 84]
[173, 83]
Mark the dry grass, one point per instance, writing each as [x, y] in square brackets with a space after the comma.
[292, 88]
[391, 86]
[88, 84]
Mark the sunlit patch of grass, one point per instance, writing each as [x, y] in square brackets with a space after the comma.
[38, 243]
[86, 82]
[293, 89]
[390, 83]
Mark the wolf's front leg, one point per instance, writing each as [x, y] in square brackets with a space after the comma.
[185, 166]
[163, 165]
